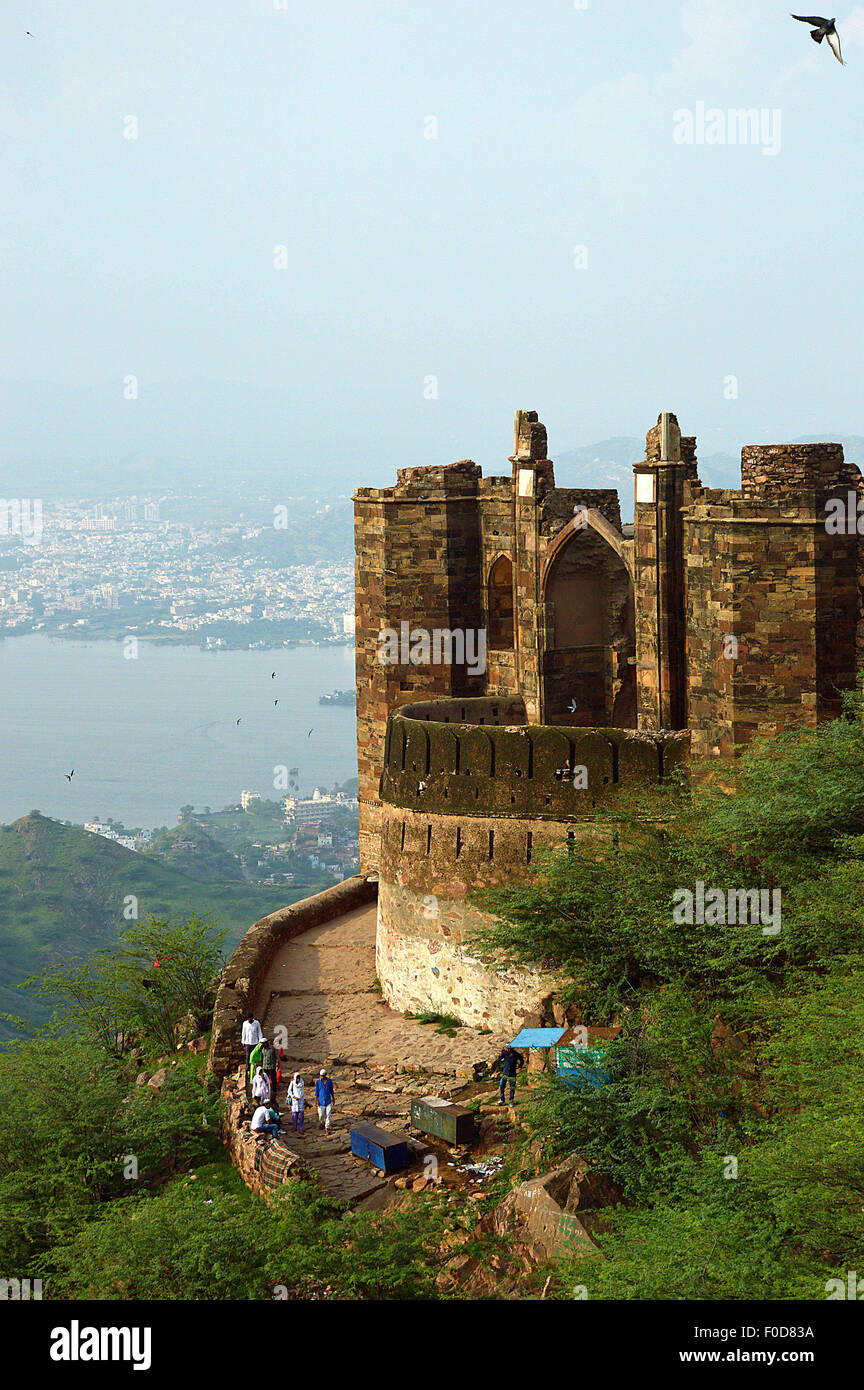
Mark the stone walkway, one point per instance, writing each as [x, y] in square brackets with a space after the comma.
[321, 989]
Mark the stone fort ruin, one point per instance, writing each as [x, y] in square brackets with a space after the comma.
[611, 653]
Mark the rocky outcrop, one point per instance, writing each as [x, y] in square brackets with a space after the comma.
[544, 1212]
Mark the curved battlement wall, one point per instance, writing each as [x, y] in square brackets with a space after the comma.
[467, 805]
[484, 766]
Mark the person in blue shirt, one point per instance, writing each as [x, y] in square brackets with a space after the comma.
[324, 1093]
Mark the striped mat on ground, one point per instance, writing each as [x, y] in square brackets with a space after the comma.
[273, 1162]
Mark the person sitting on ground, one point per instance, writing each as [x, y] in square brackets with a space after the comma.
[250, 1035]
[297, 1092]
[324, 1093]
[510, 1061]
[261, 1089]
[262, 1124]
[275, 1116]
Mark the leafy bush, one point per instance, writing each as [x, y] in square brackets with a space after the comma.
[197, 1240]
[70, 1120]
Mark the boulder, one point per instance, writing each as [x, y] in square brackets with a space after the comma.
[457, 1272]
[142, 1078]
[157, 1080]
[543, 1210]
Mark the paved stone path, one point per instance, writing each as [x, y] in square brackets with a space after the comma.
[321, 989]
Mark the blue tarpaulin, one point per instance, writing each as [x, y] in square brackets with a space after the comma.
[538, 1037]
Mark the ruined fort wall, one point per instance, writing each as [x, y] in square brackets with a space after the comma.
[417, 561]
[497, 538]
[762, 568]
[658, 576]
[429, 866]
[424, 554]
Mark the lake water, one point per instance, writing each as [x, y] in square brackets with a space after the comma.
[146, 736]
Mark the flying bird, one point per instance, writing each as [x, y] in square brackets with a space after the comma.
[275, 703]
[310, 733]
[823, 29]
[69, 775]
[238, 721]
[272, 675]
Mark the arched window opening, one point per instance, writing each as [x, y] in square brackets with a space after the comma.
[501, 603]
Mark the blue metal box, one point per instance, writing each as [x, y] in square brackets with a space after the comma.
[383, 1150]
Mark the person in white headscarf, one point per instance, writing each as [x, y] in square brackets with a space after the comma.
[261, 1086]
[297, 1096]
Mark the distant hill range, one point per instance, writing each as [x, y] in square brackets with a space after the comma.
[230, 437]
[610, 464]
[63, 891]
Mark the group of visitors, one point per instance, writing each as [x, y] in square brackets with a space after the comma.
[264, 1063]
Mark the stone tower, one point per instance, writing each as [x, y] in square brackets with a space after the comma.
[718, 616]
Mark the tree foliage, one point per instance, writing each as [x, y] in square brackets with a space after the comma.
[739, 1051]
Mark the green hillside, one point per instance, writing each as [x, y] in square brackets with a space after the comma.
[188, 847]
[63, 893]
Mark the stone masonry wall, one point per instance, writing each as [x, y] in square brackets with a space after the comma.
[423, 964]
[418, 559]
[762, 569]
[467, 806]
[661, 693]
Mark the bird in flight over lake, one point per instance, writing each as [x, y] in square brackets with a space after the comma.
[275, 703]
[69, 775]
[238, 721]
[310, 733]
[272, 675]
[823, 29]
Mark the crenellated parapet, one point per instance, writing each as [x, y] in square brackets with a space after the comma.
[480, 758]
[470, 795]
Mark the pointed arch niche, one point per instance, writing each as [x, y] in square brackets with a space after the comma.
[499, 604]
[589, 672]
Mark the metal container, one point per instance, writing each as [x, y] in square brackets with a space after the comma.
[452, 1123]
[383, 1150]
[582, 1066]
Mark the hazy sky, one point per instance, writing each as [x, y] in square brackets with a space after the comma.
[409, 258]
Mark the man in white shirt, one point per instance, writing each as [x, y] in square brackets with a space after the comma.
[262, 1124]
[250, 1035]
